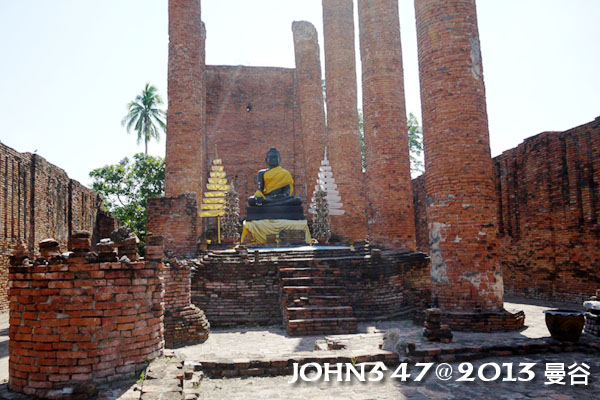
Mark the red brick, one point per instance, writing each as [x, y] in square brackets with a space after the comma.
[465, 268]
[342, 117]
[390, 216]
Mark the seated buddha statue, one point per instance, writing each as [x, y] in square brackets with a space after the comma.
[274, 199]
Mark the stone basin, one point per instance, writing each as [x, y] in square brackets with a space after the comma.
[565, 325]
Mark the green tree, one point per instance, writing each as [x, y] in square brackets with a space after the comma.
[415, 142]
[127, 186]
[145, 117]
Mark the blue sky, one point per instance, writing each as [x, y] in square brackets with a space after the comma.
[68, 68]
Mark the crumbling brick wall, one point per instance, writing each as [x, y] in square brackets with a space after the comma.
[82, 323]
[548, 209]
[237, 293]
[185, 324]
[392, 286]
[38, 200]
[548, 212]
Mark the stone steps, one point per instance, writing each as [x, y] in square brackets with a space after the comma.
[314, 300]
[298, 291]
[309, 281]
[312, 312]
[319, 301]
[319, 326]
[307, 272]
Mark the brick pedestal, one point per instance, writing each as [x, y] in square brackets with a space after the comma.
[77, 324]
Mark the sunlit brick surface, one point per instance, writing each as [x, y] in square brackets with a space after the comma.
[388, 184]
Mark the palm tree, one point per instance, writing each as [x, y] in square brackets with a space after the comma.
[144, 114]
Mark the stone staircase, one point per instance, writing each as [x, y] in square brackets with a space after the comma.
[314, 301]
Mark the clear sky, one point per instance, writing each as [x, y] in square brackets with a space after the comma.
[68, 68]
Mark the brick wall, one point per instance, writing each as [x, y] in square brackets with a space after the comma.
[77, 324]
[237, 293]
[175, 219]
[388, 287]
[38, 200]
[548, 213]
[548, 207]
[249, 110]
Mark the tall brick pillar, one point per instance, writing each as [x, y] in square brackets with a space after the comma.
[342, 117]
[185, 157]
[388, 183]
[465, 269]
[310, 99]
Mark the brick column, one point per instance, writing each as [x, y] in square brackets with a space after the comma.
[342, 117]
[389, 189]
[185, 158]
[310, 99]
[465, 269]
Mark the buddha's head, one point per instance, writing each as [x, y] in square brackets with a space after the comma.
[273, 158]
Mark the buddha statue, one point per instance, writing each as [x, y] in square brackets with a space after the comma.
[274, 199]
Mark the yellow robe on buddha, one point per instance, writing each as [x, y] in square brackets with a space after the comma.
[276, 178]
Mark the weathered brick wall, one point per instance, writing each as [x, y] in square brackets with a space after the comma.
[175, 219]
[249, 110]
[38, 200]
[80, 323]
[390, 216]
[231, 293]
[548, 212]
[395, 284]
[548, 207]
[342, 117]
[461, 213]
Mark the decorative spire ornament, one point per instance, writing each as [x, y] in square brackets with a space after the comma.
[231, 219]
[213, 202]
[326, 183]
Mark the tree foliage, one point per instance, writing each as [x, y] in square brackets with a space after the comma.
[145, 117]
[415, 144]
[127, 186]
